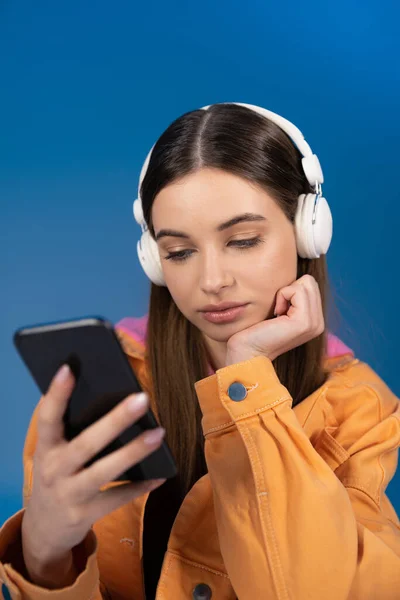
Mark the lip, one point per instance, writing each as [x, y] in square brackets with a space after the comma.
[221, 306]
[227, 315]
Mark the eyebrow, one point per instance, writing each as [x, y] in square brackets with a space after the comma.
[245, 217]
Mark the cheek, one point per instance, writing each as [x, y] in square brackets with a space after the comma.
[180, 291]
[275, 268]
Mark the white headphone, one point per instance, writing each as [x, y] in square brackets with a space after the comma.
[313, 220]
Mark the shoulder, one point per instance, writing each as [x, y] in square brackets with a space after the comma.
[357, 395]
[132, 333]
[361, 431]
[135, 327]
[350, 378]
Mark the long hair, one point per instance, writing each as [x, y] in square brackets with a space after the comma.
[237, 140]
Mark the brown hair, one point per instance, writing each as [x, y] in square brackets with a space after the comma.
[240, 141]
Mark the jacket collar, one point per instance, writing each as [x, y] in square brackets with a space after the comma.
[132, 334]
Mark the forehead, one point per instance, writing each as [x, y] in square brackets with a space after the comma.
[209, 196]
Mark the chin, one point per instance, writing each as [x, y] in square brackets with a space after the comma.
[222, 333]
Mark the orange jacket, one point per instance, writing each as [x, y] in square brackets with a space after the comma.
[293, 505]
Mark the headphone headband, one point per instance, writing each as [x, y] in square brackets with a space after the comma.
[310, 162]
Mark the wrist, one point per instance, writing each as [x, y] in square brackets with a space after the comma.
[46, 566]
[237, 355]
[53, 573]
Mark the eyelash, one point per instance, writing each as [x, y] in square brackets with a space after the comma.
[240, 245]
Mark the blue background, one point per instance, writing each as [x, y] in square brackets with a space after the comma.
[87, 87]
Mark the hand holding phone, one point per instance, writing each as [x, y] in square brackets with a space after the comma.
[66, 498]
[94, 426]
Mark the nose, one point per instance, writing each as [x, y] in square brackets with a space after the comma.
[215, 274]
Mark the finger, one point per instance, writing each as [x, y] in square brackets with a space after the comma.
[50, 423]
[308, 281]
[281, 305]
[98, 435]
[88, 482]
[295, 296]
[319, 312]
[112, 499]
[316, 310]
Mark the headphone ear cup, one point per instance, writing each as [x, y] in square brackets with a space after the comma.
[313, 239]
[147, 249]
[323, 227]
[138, 212]
[299, 228]
[149, 258]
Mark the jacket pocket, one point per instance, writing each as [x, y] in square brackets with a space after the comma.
[330, 450]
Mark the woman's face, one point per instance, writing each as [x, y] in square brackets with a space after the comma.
[206, 260]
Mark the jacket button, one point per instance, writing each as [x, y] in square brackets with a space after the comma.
[6, 593]
[237, 392]
[202, 591]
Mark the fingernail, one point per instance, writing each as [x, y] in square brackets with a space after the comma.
[153, 436]
[137, 402]
[63, 374]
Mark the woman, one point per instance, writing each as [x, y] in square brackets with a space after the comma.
[284, 441]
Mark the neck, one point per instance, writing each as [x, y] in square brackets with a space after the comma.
[216, 352]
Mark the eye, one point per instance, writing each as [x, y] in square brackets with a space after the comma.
[179, 256]
[248, 243]
[183, 255]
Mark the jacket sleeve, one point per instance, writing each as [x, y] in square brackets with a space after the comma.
[289, 526]
[13, 573]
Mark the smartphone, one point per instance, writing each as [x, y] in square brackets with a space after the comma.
[104, 377]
